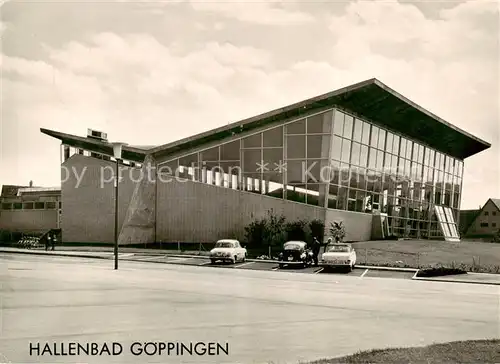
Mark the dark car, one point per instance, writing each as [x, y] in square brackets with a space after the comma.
[295, 253]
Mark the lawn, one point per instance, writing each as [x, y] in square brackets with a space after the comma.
[474, 351]
[470, 256]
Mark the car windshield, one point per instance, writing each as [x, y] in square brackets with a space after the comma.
[339, 248]
[224, 244]
[293, 246]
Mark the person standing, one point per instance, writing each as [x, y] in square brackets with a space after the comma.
[54, 241]
[47, 242]
[316, 245]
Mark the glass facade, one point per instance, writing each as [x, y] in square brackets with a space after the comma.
[334, 160]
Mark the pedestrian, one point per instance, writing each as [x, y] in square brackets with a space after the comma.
[316, 245]
[47, 243]
[54, 242]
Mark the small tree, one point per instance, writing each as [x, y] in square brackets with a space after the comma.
[337, 230]
[255, 233]
[274, 232]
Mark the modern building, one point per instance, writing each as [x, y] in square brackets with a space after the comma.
[29, 209]
[486, 222]
[363, 154]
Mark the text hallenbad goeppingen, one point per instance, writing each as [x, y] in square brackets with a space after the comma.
[157, 348]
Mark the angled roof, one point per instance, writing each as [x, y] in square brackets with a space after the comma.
[496, 202]
[131, 153]
[370, 99]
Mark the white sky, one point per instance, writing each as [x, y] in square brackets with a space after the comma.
[153, 72]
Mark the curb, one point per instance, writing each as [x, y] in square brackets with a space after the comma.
[455, 281]
[56, 254]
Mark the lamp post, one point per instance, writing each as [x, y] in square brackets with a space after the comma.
[117, 153]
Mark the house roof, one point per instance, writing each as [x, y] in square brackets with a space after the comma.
[496, 202]
[11, 190]
[370, 99]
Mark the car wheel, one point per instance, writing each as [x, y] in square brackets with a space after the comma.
[349, 268]
[212, 261]
[244, 258]
[281, 266]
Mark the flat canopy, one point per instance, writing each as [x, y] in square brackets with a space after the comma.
[129, 153]
[370, 100]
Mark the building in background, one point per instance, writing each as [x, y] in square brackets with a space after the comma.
[29, 209]
[486, 221]
[363, 154]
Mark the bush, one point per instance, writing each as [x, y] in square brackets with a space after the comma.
[337, 230]
[317, 228]
[496, 237]
[297, 230]
[439, 271]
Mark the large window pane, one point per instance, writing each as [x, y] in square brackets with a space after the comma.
[358, 130]
[366, 133]
[381, 139]
[273, 158]
[333, 196]
[389, 142]
[345, 174]
[336, 150]
[372, 158]
[338, 125]
[409, 148]
[295, 171]
[252, 160]
[320, 124]
[318, 146]
[297, 127]
[356, 152]
[230, 151]
[211, 154]
[314, 170]
[253, 141]
[189, 160]
[346, 150]
[273, 137]
[313, 195]
[402, 148]
[363, 157]
[374, 137]
[395, 144]
[296, 146]
[348, 123]
[273, 184]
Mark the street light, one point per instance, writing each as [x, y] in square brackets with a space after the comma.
[117, 153]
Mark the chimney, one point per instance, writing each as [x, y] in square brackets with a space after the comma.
[31, 183]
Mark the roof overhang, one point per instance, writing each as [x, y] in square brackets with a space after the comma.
[370, 100]
[93, 145]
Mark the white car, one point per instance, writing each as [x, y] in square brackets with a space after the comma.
[228, 250]
[339, 255]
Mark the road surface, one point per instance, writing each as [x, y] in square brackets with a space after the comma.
[263, 316]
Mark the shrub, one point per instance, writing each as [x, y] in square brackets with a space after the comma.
[317, 228]
[496, 237]
[274, 232]
[297, 230]
[337, 230]
[255, 233]
[439, 271]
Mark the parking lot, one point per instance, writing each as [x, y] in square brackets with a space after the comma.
[264, 266]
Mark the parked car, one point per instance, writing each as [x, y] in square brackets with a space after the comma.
[228, 250]
[339, 255]
[295, 253]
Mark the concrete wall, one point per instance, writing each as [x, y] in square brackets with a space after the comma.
[196, 212]
[358, 225]
[89, 206]
[28, 220]
[492, 220]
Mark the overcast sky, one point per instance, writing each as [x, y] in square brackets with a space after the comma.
[153, 72]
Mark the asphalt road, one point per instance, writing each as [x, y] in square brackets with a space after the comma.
[263, 316]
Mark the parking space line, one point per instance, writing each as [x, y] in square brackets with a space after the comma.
[206, 263]
[362, 275]
[275, 268]
[142, 259]
[242, 265]
[177, 259]
[123, 255]
[318, 271]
